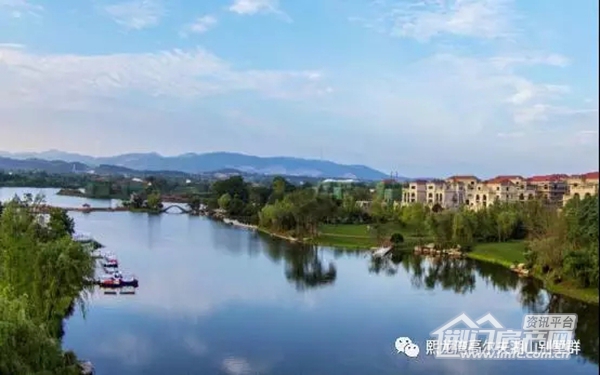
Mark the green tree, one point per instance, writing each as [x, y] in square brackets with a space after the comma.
[194, 202]
[154, 201]
[60, 223]
[506, 222]
[440, 227]
[224, 201]
[414, 216]
[234, 186]
[463, 229]
[42, 277]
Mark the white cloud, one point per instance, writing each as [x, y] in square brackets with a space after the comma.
[427, 19]
[530, 59]
[241, 366]
[251, 7]
[16, 8]
[236, 366]
[492, 82]
[51, 79]
[200, 25]
[136, 14]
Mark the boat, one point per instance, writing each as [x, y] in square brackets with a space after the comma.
[117, 280]
[110, 261]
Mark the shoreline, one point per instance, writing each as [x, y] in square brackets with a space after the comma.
[584, 295]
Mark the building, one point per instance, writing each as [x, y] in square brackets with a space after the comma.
[581, 186]
[550, 188]
[471, 192]
[505, 189]
[446, 194]
[416, 192]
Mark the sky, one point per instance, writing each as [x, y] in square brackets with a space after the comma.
[423, 87]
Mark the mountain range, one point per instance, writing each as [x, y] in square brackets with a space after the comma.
[64, 162]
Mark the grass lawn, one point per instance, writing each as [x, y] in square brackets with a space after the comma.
[507, 253]
[356, 236]
[503, 253]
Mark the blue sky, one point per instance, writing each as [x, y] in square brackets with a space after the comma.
[424, 87]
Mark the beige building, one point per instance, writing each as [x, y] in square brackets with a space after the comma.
[470, 191]
[415, 193]
[550, 188]
[581, 186]
[446, 194]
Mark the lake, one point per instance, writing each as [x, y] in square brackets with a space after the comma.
[214, 299]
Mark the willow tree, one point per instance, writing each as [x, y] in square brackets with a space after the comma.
[43, 273]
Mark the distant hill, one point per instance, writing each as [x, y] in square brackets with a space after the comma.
[50, 166]
[202, 163]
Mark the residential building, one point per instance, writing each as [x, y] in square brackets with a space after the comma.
[581, 186]
[550, 188]
[415, 193]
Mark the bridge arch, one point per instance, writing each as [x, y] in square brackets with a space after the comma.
[175, 207]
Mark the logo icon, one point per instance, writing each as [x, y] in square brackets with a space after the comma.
[406, 346]
[544, 336]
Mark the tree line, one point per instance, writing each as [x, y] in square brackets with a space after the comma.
[43, 275]
[560, 243]
[281, 205]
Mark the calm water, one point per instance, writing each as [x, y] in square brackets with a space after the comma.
[219, 300]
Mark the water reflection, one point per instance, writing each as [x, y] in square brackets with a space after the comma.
[304, 265]
[460, 276]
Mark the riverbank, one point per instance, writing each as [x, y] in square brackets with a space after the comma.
[506, 254]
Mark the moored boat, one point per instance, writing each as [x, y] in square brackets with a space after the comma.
[117, 280]
[110, 261]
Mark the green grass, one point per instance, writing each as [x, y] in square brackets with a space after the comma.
[503, 253]
[356, 236]
[507, 253]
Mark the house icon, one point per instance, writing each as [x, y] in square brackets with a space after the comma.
[451, 334]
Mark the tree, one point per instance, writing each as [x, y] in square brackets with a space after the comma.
[414, 216]
[154, 201]
[506, 224]
[440, 227]
[234, 186]
[44, 273]
[60, 223]
[279, 187]
[224, 201]
[463, 229]
[194, 203]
